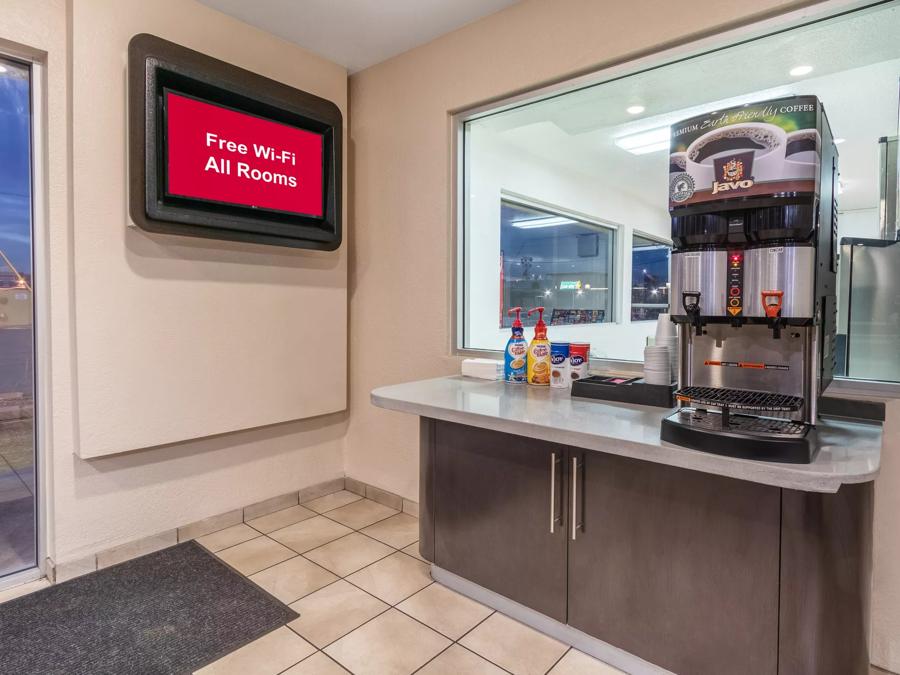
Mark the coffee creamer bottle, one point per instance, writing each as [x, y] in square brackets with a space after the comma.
[539, 351]
[514, 359]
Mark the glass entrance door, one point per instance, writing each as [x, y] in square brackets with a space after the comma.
[18, 488]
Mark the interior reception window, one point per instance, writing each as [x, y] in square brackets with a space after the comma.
[597, 156]
[649, 278]
[557, 262]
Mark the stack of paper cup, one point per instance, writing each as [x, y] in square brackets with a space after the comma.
[666, 336]
[657, 365]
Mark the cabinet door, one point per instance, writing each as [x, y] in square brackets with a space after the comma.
[492, 514]
[675, 566]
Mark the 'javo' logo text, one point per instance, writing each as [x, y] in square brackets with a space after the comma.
[732, 177]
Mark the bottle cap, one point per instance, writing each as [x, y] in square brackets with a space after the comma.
[540, 328]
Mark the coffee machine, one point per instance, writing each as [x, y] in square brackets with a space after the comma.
[752, 197]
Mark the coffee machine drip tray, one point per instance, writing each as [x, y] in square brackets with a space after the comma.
[743, 436]
[739, 399]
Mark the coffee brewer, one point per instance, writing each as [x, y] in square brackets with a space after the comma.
[754, 218]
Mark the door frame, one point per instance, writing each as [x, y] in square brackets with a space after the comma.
[40, 311]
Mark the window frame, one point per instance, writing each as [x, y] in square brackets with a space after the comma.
[588, 220]
[681, 51]
[662, 242]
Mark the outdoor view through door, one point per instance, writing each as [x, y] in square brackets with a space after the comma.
[18, 550]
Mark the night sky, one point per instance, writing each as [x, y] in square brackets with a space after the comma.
[15, 167]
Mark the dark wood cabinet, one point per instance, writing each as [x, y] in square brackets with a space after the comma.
[694, 572]
[492, 514]
[668, 559]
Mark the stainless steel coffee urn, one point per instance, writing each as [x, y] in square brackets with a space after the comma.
[754, 220]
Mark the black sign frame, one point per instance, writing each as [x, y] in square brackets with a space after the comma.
[156, 66]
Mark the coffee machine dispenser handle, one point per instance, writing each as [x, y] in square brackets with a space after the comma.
[771, 302]
[692, 309]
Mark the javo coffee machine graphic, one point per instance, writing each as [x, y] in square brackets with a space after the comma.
[772, 147]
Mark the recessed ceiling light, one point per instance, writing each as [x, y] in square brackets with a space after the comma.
[645, 141]
[634, 109]
[838, 141]
[799, 71]
[545, 221]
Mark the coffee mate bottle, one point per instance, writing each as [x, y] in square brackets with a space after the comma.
[516, 348]
[539, 351]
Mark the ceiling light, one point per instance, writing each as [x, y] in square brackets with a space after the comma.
[645, 141]
[2, 69]
[634, 109]
[838, 141]
[548, 221]
[800, 71]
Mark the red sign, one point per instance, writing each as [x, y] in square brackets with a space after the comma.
[221, 155]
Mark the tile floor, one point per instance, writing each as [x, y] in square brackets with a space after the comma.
[350, 567]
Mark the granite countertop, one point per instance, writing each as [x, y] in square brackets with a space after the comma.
[849, 452]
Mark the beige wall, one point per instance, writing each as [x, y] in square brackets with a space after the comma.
[107, 281]
[202, 337]
[401, 254]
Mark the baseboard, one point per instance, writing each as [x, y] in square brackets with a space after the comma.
[382, 496]
[59, 571]
[604, 651]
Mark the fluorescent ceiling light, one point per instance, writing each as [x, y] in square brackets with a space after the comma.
[838, 141]
[644, 142]
[546, 221]
[800, 71]
[634, 109]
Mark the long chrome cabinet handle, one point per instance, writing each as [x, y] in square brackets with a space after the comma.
[554, 460]
[574, 497]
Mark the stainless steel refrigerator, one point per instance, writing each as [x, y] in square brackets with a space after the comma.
[870, 302]
[869, 292]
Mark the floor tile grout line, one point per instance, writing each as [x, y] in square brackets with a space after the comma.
[334, 660]
[309, 656]
[394, 604]
[433, 657]
[432, 627]
[555, 663]
[265, 534]
[330, 583]
[227, 547]
[388, 607]
[360, 529]
[300, 522]
[393, 551]
[340, 637]
[482, 656]
[296, 522]
[268, 566]
[493, 611]
[336, 507]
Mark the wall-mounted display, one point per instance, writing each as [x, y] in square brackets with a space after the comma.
[217, 151]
